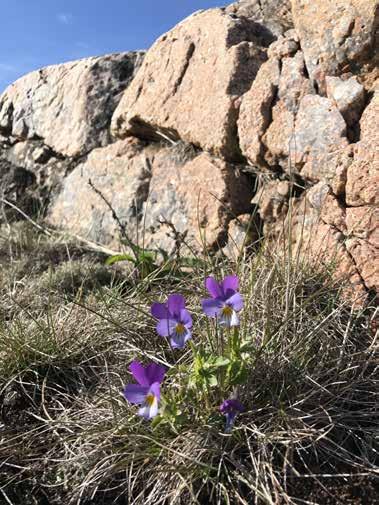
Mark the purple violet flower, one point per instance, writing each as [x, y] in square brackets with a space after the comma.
[147, 391]
[225, 301]
[230, 408]
[174, 320]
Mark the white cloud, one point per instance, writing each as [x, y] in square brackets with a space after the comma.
[65, 18]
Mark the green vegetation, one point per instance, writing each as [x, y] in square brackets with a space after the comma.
[69, 327]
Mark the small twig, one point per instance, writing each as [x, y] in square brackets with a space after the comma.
[50, 233]
[179, 237]
[114, 214]
[93, 245]
[115, 217]
[17, 209]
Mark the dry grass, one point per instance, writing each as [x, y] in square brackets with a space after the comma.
[69, 326]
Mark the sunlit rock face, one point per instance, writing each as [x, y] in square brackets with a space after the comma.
[151, 192]
[191, 80]
[68, 106]
[233, 118]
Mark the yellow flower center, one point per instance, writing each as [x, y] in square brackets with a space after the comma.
[227, 311]
[180, 329]
[149, 400]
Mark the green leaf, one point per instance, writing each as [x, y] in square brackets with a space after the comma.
[237, 372]
[221, 362]
[119, 257]
[146, 257]
[215, 362]
[212, 380]
[157, 421]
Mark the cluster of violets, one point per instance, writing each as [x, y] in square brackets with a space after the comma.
[175, 323]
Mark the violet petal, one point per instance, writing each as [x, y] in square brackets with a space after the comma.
[185, 318]
[166, 327]
[230, 285]
[155, 389]
[236, 302]
[149, 411]
[159, 310]
[139, 373]
[135, 393]
[231, 405]
[234, 320]
[179, 341]
[213, 287]
[175, 304]
[155, 373]
[229, 320]
[212, 307]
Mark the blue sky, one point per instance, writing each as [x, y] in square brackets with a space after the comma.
[36, 33]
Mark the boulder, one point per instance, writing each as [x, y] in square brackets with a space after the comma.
[199, 198]
[68, 106]
[272, 202]
[329, 208]
[121, 172]
[330, 167]
[189, 85]
[274, 14]
[278, 128]
[337, 36]
[285, 45]
[363, 176]
[280, 138]
[369, 118]
[345, 208]
[153, 195]
[293, 83]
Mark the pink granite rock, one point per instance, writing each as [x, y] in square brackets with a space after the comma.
[68, 106]
[190, 82]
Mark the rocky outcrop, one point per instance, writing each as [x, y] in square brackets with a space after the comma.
[30, 174]
[344, 211]
[68, 106]
[362, 179]
[275, 15]
[319, 129]
[337, 37]
[50, 119]
[153, 195]
[324, 245]
[235, 117]
[278, 115]
[255, 112]
[190, 83]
